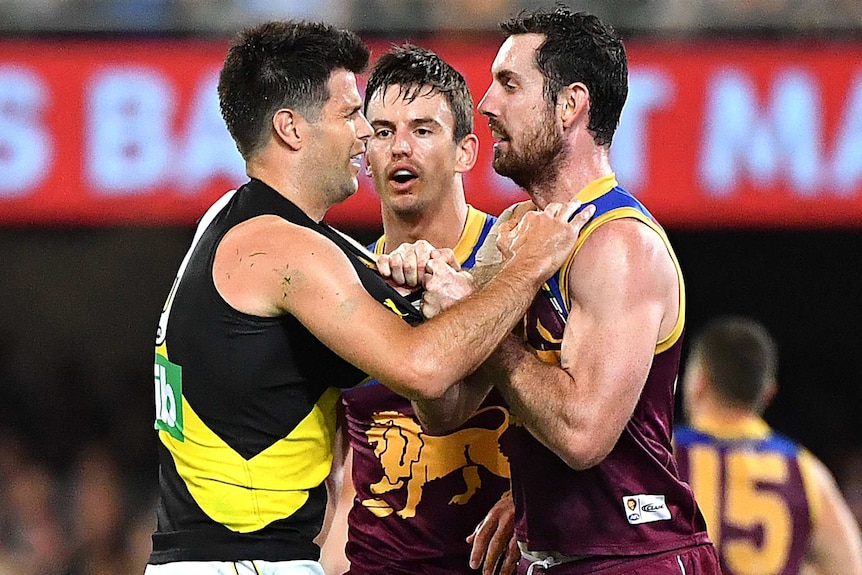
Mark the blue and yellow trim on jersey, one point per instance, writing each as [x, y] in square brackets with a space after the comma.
[476, 229]
[613, 203]
[708, 432]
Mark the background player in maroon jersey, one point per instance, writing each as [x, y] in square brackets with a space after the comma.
[415, 500]
[770, 505]
[590, 383]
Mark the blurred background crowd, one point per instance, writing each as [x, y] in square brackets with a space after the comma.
[77, 465]
[684, 17]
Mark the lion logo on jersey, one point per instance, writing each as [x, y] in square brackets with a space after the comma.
[412, 458]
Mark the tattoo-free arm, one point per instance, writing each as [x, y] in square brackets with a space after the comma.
[333, 538]
[441, 415]
[835, 545]
[625, 297]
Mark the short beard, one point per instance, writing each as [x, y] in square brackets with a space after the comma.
[536, 165]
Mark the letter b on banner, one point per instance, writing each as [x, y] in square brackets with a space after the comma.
[25, 145]
[128, 130]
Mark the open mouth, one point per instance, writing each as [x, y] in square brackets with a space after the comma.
[403, 176]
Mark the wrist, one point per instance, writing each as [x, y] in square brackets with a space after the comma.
[527, 271]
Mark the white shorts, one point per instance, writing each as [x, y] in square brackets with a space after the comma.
[303, 567]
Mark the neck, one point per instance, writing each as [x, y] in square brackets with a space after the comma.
[581, 163]
[440, 224]
[289, 181]
[720, 411]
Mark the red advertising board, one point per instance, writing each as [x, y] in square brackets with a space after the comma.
[714, 134]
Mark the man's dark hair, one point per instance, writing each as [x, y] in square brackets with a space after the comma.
[579, 47]
[739, 357]
[420, 72]
[282, 64]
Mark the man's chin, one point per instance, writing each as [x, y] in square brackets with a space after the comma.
[347, 190]
[520, 177]
[502, 165]
[405, 205]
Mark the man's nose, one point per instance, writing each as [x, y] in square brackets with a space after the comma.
[401, 146]
[487, 105]
[364, 131]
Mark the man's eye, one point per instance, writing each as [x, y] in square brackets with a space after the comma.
[423, 131]
[382, 133]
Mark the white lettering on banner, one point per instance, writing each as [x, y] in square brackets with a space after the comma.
[208, 149]
[740, 139]
[26, 148]
[128, 144]
[847, 164]
[649, 90]
[797, 115]
[149, 131]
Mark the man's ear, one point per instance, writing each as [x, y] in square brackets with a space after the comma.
[695, 382]
[286, 125]
[467, 153]
[769, 391]
[574, 104]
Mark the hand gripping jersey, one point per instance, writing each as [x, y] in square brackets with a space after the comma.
[633, 502]
[245, 406]
[756, 490]
[419, 496]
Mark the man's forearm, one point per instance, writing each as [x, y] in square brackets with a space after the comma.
[442, 415]
[519, 376]
[465, 335]
[453, 344]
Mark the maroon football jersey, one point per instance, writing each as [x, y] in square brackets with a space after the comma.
[419, 496]
[756, 490]
[633, 502]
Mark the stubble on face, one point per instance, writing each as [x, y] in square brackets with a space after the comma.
[340, 187]
[531, 159]
[399, 113]
[335, 176]
[339, 138]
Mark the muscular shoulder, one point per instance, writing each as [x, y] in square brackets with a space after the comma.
[629, 246]
[261, 262]
[625, 261]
